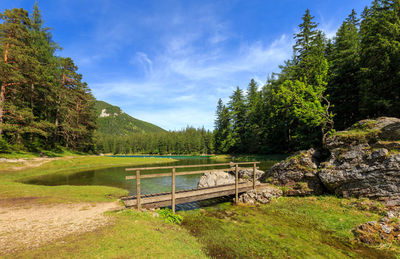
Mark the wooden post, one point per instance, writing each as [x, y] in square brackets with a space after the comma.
[138, 190]
[173, 190]
[254, 176]
[236, 184]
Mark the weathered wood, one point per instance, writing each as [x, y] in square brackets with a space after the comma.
[188, 166]
[138, 189]
[236, 184]
[133, 177]
[196, 198]
[173, 190]
[173, 198]
[188, 195]
[254, 176]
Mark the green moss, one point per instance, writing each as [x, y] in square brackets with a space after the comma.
[364, 124]
[289, 227]
[361, 136]
[302, 186]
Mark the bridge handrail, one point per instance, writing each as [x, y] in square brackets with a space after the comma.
[189, 166]
[174, 173]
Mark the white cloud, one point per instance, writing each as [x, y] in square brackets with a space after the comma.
[184, 86]
[145, 61]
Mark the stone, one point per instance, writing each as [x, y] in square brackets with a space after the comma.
[212, 179]
[261, 195]
[363, 162]
[298, 173]
[386, 229]
[216, 178]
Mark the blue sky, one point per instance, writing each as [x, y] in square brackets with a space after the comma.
[168, 62]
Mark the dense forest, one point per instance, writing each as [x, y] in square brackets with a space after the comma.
[328, 84]
[189, 141]
[43, 102]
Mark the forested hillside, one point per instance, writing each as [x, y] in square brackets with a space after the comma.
[119, 133]
[328, 84]
[189, 141]
[43, 102]
[111, 120]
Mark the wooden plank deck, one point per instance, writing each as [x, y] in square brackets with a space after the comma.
[172, 198]
[159, 200]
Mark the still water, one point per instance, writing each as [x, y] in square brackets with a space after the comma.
[116, 177]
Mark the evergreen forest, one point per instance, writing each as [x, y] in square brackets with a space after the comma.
[44, 104]
[327, 85]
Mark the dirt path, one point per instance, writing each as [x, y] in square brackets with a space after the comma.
[29, 227]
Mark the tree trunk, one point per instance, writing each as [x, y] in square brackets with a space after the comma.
[3, 92]
[2, 102]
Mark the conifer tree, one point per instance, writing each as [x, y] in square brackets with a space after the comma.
[222, 130]
[253, 122]
[380, 59]
[344, 74]
[237, 108]
[17, 65]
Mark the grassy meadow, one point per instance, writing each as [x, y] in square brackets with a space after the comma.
[11, 176]
[288, 227]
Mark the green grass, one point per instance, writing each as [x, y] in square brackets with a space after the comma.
[133, 235]
[11, 185]
[287, 228]
[272, 157]
[61, 152]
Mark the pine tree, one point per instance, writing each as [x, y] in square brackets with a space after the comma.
[17, 66]
[222, 130]
[303, 48]
[237, 108]
[253, 122]
[344, 81]
[380, 59]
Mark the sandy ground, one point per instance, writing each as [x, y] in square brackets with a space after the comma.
[22, 163]
[24, 227]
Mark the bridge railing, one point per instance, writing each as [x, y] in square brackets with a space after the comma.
[173, 174]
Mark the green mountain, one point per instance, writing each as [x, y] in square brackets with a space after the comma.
[111, 120]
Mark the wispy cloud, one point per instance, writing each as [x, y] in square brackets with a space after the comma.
[186, 84]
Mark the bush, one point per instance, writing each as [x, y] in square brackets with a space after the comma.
[4, 147]
[169, 216]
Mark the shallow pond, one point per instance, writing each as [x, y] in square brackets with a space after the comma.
[116, 177]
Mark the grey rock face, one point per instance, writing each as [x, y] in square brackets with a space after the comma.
[364, 162]
[299, 173]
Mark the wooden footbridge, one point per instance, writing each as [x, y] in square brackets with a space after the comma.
[178, 197]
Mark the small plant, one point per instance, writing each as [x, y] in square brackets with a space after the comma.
[170, 217]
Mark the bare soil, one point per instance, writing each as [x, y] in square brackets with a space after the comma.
[29, 225]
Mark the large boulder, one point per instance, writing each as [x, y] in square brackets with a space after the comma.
[364, 161]
[298, 174]
[368, 165]
[214, 178]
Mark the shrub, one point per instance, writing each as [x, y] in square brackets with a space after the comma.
[169, 216]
